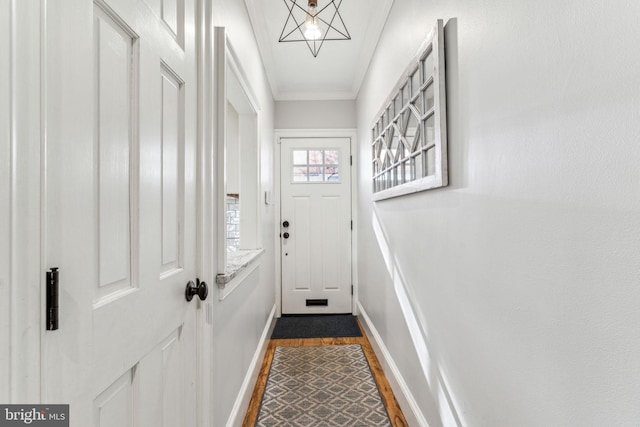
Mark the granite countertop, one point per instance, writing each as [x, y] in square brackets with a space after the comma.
[236, 261]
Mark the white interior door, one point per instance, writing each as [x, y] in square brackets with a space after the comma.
[316, 225]
[120, 209]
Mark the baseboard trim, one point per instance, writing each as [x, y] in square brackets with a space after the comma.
[246, 390]
[407, 402]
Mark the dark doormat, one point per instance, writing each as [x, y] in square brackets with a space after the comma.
[316, 326]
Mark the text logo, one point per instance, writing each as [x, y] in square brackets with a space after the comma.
[34, 415]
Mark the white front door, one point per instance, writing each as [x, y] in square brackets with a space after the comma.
[316, 225]
[120, 210]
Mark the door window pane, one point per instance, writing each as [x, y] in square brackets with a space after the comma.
[315, 157]
[331, 157]
[299, 157]
[300, 174]
[315, 174]
[316, 165]
[331, 174]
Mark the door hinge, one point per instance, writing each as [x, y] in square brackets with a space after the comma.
[351, 160]
[52, 299]
[351, 289]
[352, 224]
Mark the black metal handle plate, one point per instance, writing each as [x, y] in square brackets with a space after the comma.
[199, 288]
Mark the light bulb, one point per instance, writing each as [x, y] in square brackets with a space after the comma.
[312, 30]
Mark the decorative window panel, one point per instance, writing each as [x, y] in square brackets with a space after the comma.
[409, 148]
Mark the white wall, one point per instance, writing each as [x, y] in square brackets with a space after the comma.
[510, 298]
[315, 114]
[251, 198]
[238, 320]
[233, 150]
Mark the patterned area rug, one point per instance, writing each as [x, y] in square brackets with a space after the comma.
[321, 386]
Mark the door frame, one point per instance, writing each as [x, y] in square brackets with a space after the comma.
[277, 176]
[205, 221]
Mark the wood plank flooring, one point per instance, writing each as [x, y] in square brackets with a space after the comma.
[395, 414]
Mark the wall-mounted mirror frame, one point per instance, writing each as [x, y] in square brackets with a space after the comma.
[409, 134]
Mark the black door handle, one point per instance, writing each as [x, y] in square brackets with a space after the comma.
[285, 235]
[199, 288]
[285, 224]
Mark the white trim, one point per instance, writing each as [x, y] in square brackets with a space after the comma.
[276, 223]
[262, 39]
[225, 56]
[317, 133]
[316, 96]
[240, 406]
[407, 402]
[205, 202]
[235, 66]
[277, 179]
[220, 114]
[7, 146]
[426, 183]
[354, 219]
[366, 53]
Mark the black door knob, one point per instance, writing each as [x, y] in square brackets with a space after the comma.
[285, 235]
[199, 288]
[285, 224]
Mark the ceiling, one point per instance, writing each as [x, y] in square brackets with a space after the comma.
[337, 71]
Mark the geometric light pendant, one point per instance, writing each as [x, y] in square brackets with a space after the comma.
[307, 22]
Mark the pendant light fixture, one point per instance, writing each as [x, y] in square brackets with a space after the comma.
[313, 24]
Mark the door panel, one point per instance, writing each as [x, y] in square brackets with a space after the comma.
[300, 245]
[161, 377]
[116, 65]
[316, 202]
[114, 406]
[172, 171]
[330, 218]
[121, 211]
